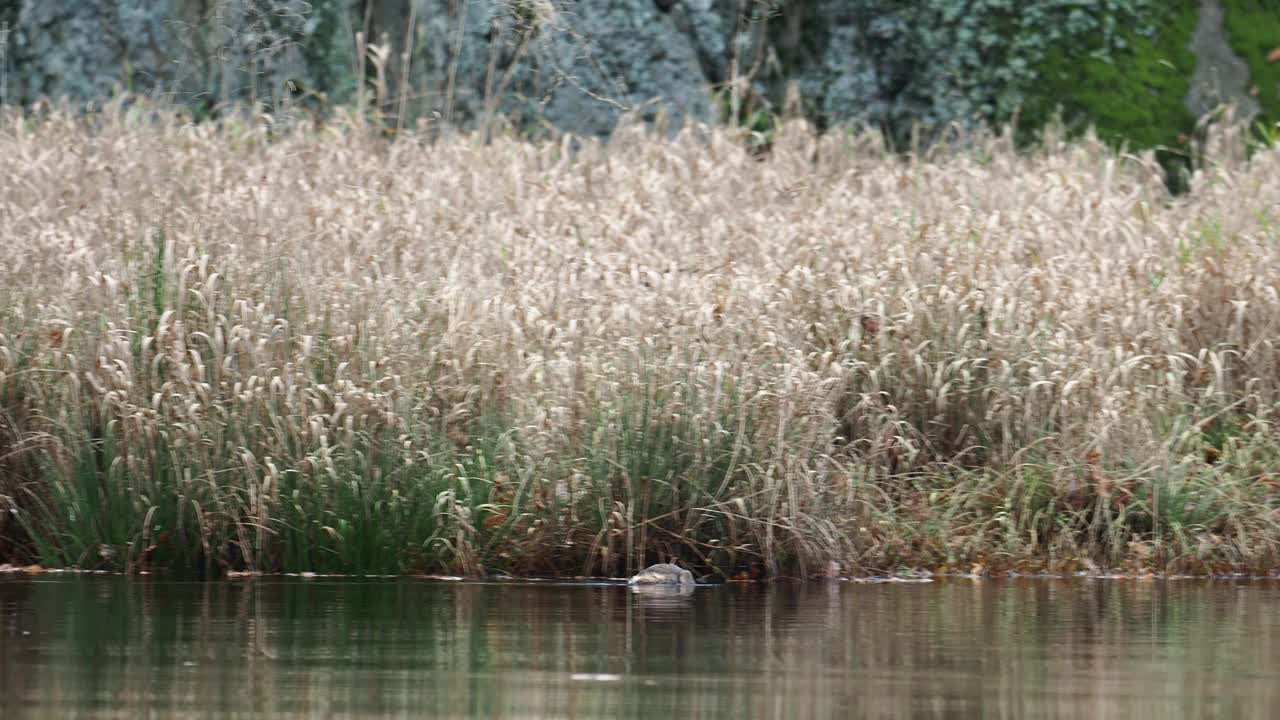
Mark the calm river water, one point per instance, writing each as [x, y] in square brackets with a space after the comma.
[318, 648]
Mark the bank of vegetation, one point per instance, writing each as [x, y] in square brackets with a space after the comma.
[224, 347]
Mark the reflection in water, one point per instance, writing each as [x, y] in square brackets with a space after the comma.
[654, 602]
[663, 591]
[117, 647]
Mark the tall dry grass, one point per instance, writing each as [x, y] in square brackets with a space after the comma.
[223, 347]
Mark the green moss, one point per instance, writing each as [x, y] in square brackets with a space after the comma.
[1135, 96]
[1253, 29]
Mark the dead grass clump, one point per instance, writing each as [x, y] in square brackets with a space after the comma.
[322, 351]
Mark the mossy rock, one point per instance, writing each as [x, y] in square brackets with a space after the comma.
[1253, 29]
[1133, 96]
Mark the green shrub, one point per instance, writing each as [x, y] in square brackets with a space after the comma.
[1133, 95]
[1253, 27]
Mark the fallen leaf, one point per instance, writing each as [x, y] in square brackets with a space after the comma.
[1274, 55]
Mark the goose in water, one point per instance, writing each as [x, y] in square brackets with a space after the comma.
[663, 574]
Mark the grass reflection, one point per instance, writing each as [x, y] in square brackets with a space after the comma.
[108, 647]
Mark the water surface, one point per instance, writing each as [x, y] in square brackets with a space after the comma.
[137, 647]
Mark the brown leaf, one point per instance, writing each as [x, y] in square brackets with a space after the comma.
[870, 325]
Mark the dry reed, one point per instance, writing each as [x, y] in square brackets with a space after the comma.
[317, 350]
